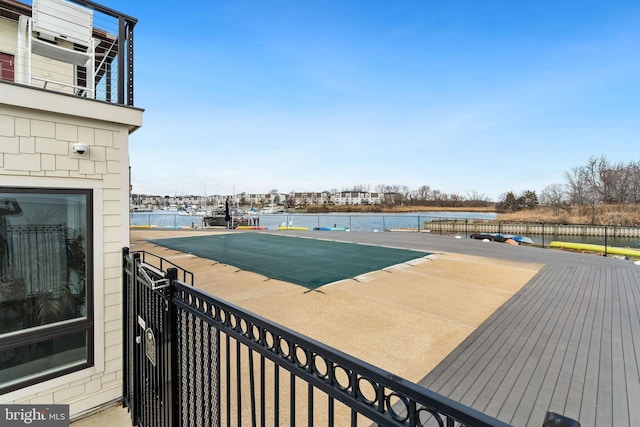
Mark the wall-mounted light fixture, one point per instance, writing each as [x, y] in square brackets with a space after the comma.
[80, 148]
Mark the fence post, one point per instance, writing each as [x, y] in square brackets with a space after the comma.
[125, 330]
[134, 306]
[173, 382]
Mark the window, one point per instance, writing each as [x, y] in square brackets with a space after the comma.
[46, 282]
[6, 67]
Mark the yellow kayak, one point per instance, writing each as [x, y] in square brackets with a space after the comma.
[614, 250]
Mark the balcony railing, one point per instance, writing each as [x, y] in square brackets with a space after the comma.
[75, 47]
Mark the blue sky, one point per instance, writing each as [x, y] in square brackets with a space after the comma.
[466, 97]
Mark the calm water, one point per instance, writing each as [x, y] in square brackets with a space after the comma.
[355, 222]
[365, 222]
[360, 222]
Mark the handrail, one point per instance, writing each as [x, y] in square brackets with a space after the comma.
[161, 264]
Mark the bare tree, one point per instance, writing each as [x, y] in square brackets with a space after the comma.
[634, 182]
[361, 188]
[595, 176]
[555, 196]
[619, 187]
[424, 192]
[475, 196]
[457, 199]
[438, 196]
[394, 194]
[577, 188]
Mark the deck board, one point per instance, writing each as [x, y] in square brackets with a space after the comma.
[567, 348]
[568, 342]
[631, 344]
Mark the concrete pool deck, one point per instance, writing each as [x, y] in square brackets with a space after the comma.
[404, 319]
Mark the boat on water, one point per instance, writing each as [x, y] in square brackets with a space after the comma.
[270, 209]
[139, 208]
[221, 221]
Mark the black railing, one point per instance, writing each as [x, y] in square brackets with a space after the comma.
[163, 265]
[206, 362]
[108, 76]
[122, 52]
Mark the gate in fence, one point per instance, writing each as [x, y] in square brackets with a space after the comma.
[191, 359]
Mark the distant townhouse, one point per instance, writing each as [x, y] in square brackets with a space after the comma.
[295, 199]
[358, 198]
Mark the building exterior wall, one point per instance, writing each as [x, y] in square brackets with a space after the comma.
[36, 151]
[8, 39]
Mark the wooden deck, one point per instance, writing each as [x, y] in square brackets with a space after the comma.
[567, 342]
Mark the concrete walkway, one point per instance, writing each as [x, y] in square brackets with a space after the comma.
[112, 416]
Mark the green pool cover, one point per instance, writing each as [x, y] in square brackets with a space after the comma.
[306, 262]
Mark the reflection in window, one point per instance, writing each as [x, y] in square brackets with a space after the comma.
[45, 305]
[44, 357]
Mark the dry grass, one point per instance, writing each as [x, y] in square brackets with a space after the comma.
[628, 215]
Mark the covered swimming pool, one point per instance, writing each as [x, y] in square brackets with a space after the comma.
[306, 262]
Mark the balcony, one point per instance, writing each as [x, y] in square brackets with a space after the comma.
[77, 48]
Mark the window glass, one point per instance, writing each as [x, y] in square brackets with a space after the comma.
[45, 306]
[43, 357]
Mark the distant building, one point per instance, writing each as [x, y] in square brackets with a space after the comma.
[295, 199]
[292, 199]
[358, 198]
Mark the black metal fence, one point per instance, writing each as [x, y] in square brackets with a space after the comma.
[194, 360]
